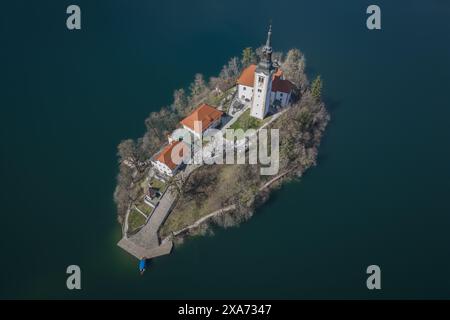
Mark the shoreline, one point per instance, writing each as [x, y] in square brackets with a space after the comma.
[239, 189]
[180, 234]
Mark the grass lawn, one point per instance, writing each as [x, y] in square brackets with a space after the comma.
[182, 217]
[145, 208]
[135, 220]
[186, 212]
[245, 121]
[215, 99]
[158, 184]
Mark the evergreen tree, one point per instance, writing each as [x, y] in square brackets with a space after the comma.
[316, 87]
[248, 57]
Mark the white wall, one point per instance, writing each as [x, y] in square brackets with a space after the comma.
[261, 96]
[283, 97]
[245, 92]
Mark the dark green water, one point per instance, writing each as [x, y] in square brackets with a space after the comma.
[379, 195]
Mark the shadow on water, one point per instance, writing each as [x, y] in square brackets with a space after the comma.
[321, 158]
[311, 72]
[331, 104]
[144, 266]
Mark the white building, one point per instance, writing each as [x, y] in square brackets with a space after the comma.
[202, 119]
[198, 122]
[169, 159]
[262, 85]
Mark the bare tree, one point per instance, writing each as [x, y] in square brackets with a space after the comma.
[198, 86]
[294, 68]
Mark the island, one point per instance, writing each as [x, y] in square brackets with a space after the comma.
[162, 200]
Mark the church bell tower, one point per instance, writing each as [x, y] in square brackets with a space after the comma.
[262, 87]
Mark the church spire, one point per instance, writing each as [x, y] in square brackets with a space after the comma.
[265, 65]
[269, 36]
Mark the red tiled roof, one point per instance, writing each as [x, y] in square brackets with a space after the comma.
[280, 85]
[165, 156]
[247, 78]
[204, 114]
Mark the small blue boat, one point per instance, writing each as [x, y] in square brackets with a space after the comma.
[142, 265]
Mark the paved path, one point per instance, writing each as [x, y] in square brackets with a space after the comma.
[145, 243]
[201, 220]
[147, 237]
[143, 253]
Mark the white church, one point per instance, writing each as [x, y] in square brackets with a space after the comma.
[264, 85]
[259, 85]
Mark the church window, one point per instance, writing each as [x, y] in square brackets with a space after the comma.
[260, 80]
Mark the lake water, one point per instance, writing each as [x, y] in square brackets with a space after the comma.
[379, 195]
